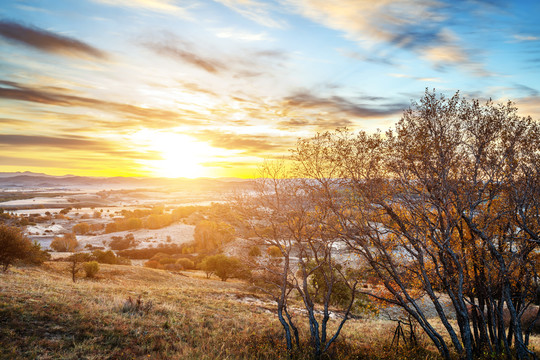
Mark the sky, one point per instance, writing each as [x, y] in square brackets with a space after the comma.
[178, 88]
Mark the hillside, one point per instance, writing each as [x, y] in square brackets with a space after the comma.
[44, 315]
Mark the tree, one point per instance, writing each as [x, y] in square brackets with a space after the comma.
[444, 203]
[284, 217]
[223, 266]
[76, 262]
[15, 246]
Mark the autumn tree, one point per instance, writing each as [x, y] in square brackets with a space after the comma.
[446, 203]
[15, 246]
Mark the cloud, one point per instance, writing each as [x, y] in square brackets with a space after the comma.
[179, 49]
[156, 117]
[250, 64]
[74, 142]
[235, 34]
[337, 104]
[253, 144]
[161, 6]
[420, 26]
[258, 12]
[47, 41]
[417, 78]
[520, 38]
[529, 91]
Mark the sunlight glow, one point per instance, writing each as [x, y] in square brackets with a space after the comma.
[179, 155]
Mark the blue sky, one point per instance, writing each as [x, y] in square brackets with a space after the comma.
[211, 88]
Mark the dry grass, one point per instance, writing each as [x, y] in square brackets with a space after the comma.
[44, 315]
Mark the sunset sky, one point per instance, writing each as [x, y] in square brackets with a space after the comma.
[211, 88]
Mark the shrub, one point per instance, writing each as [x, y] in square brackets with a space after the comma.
[254, 251]
[66, 242]
[274, 251]
[109, 257]
[81, 228]
[167, 260]
[186, 264]
[91, 268]
[173, 267]
[117, 243]
[223, 266]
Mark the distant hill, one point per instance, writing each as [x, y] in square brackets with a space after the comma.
[39, 180]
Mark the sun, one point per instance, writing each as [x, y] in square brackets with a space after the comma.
[177, 155]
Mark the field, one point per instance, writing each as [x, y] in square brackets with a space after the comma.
[44, 315]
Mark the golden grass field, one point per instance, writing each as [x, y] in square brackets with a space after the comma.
[44, 315]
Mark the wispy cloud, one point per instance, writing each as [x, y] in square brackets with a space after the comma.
[241, 35]
[416, 25]
[252, 144]
[337, 104]
[181, 50]
[160, 117]
[259, 12]
[520, 38]
[73, 142]
[48, 41]
[161, 6]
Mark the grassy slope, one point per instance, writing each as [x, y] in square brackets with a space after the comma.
[44, 315]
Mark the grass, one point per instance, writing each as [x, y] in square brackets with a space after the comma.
[44, 315]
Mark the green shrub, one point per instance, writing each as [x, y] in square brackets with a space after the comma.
[91, 268]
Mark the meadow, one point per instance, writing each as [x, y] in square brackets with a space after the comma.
[129, 312]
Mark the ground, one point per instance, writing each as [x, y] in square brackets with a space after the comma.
[44, 315]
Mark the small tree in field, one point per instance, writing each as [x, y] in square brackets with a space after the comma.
[13, 245]
[76, 263]
[223, 266]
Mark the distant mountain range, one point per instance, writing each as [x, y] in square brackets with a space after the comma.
[29, 179]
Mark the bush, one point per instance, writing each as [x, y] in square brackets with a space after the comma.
[91, 268]
[173, 267]
[117, 243]
[186, 264]
[223, 266]
[66, 242]
[255, 251]
[81, 228]
[274, 251]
